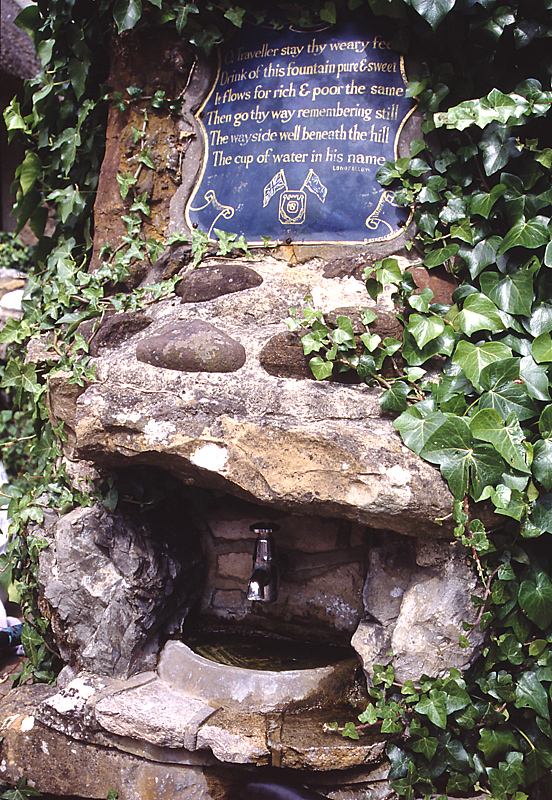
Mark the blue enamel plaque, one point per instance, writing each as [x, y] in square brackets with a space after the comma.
[296, 126]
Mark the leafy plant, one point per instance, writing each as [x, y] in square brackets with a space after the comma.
[13, 253]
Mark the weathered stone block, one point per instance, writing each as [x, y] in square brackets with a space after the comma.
[154, 713]
[111, 583]
[206, 283]
[193, 346]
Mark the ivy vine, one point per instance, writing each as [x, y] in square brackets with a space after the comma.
[479, 186]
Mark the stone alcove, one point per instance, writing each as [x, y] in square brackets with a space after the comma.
[205, 401]
[364, 524]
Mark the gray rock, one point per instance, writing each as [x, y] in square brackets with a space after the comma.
[111, 583]
[59, 765]
[415, 613]
[299, 445]
[193, 346]
[206, 283]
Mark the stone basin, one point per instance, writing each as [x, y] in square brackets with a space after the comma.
[254, 690]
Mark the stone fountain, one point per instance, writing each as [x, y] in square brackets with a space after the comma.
[204, 415]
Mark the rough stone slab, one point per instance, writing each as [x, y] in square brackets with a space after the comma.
[71, 709]
[235, 738]
[59, 765]
[302, 743]
[321, 448]
[154, 713]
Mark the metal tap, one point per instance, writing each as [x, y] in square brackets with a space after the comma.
[265, 579]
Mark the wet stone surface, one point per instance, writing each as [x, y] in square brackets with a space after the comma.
[195, 346]
[214, 281]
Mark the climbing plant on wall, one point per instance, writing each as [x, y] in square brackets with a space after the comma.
[479, 186]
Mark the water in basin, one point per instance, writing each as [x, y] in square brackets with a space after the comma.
[251, 651]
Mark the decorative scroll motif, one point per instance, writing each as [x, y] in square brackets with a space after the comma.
[227, 212]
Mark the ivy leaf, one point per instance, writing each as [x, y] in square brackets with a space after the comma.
[542, 348]
[22, 790]
[77, 76]
[328, 13]
[400, 762]
[425, 329]
[433, 706]
[433, 11]
[414, 356]
[511, 648]
[482, 202]
[320, 369]
[511, 293]
[416, 425]
[478, 314]
[535, 378]
[125, 181]
[235, 15]
[453, 449]
[126, 14]
[29, 171]
[144, 157]
[507, 437]
[498, 148]
[535, 599]
[394, 399]
[503, 393]
[493, 742]
[530, 693]
[422, 301]
[474, 358]
[437, 257]
[190, 8]
[480, 256]
[67, 143]
[542, 462]
[427, 745]
[530, 234]
[545, 422]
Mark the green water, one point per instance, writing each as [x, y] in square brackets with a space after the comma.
[263, 652]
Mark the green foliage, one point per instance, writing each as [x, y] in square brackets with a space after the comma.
[13, 253]
[20, 792]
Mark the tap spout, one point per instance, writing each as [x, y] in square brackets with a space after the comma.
[265, 578]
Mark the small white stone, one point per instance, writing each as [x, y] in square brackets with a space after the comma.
[12, 300]
[211, 456]
[27, 724]
[398, 476]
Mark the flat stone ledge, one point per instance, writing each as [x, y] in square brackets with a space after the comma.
[155, 713]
